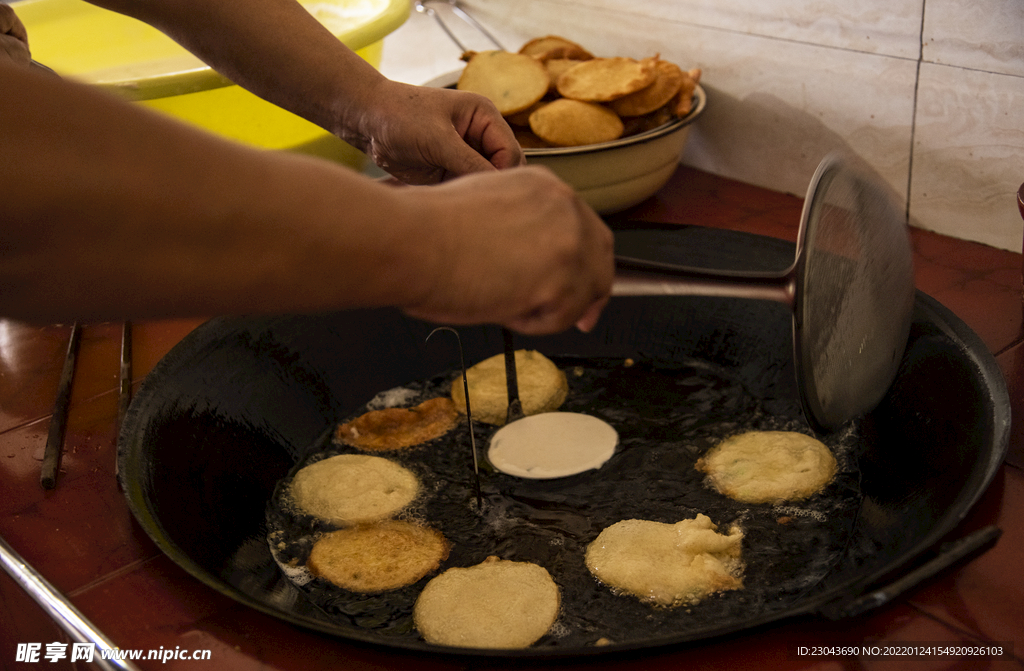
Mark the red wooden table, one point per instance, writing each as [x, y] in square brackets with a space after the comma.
[83, 539]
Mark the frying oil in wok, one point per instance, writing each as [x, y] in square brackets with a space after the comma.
[666, 419]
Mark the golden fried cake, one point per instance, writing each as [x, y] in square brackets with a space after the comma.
[668, 80]
[667, 564]
[553, 46]
[542, 387]
[571, 123]
[556, 67]
[495, 604]
[511, 81]
[377, 557]
[683, 102]
[605, 79]
[769, 466]
[353, 489]
[397, 428]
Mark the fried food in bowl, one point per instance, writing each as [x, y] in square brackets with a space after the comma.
[655, 100]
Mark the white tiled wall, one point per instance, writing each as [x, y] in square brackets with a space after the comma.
[930, 92]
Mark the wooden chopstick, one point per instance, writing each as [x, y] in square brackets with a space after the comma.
[59, 420]
[124, 394]
[124, 398]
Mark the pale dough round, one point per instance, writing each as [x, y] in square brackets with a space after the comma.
[542, 387]
[377, 557]
[495, 604]
[353, 489]
[552, 445]
[667, 564]
[769, 466]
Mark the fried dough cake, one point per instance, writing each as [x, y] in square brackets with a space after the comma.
[667, 564]
[353, 489]
[668, 80]
[604, 79]
[553, 46]
[542, 387]
[769, 466]
[571, 123]
[398, 428]
[495, 604]
[513, 82]
[377, 557]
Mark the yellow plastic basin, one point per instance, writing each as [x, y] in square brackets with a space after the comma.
[138, 62]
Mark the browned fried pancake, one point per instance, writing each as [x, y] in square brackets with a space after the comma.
[377, 557]
[396, 428]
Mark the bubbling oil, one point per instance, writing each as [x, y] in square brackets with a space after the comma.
[666, 418]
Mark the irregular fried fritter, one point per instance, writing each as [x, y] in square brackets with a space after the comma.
[667, 564]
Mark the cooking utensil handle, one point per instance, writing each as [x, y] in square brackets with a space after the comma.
[949, 554]
[59, 420]
[515, 406]
[637, 277]
[57, 606]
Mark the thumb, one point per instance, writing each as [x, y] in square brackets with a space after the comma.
[461, 159]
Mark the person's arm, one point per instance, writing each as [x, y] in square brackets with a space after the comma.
[108, 210]
[277, 50]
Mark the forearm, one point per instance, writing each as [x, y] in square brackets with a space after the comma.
[110, 211]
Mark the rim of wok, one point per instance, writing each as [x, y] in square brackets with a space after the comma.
[132, 454]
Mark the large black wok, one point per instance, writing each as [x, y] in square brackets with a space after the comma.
[232, 408]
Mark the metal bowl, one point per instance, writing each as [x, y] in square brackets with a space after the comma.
[612, 176]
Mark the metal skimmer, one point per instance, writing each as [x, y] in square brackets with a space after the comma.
[851, 289]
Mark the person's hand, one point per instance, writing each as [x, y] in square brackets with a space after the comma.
[522, 250]
[13, 37]
[424, 135]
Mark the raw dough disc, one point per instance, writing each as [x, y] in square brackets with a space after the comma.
[552, 445]
[769, 466]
